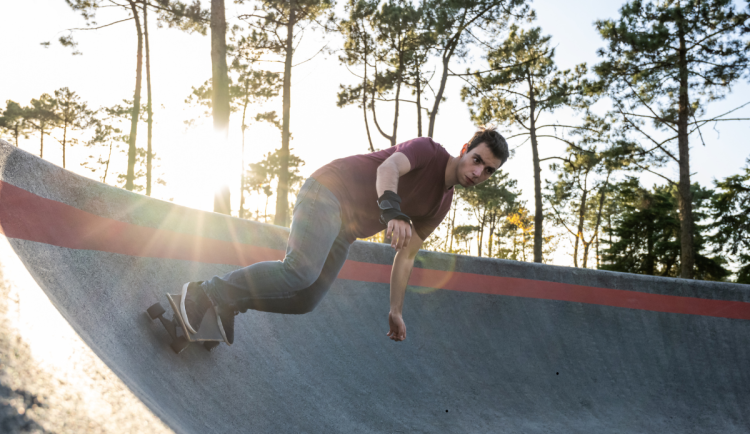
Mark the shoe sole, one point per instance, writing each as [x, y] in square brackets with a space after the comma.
[221, 326]
[183, 312]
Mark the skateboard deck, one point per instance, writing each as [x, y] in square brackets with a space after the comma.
[208, 331]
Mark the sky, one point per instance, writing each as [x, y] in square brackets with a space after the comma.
[190, 156]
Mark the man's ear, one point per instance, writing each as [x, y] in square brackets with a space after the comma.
[464, 149]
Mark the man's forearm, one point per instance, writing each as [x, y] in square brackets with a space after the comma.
[387, 179]
[402, 266]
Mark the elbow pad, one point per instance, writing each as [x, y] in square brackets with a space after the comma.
[390, 208]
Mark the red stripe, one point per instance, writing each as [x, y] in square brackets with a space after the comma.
[26, 216]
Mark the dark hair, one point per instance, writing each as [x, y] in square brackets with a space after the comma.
[494, 140]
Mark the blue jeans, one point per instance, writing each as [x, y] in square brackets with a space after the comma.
[316, 250]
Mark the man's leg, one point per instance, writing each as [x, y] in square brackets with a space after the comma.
[316, 225]
[305, 300]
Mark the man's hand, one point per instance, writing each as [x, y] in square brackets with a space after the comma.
[400, 232]
[397, 330]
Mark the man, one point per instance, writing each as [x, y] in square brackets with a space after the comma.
[406, 189]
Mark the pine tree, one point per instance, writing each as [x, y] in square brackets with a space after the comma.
[13, 120]
[490, 203]
[647, 232]
[41, 117]
[71, 114]
[665, 60]
[281, 24]
[523, 82]
[456, 24]
[731, 221]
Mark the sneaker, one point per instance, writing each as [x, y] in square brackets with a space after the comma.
[225, 317]
[193, 305]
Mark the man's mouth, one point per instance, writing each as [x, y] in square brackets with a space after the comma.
[469, 181]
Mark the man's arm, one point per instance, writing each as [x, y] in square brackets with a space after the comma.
[402, 266]
[388, 173]
[390, 170]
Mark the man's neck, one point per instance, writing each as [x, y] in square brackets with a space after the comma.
[451, 169]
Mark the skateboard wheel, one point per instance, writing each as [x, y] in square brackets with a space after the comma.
[211, 345]
[155, 311]
[179, 344]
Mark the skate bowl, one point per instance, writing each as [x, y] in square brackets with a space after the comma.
[492, 346]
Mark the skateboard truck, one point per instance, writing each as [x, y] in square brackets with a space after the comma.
[208, 332]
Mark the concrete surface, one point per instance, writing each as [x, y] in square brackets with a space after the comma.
[493, 346]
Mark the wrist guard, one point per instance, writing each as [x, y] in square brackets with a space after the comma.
[390, 208]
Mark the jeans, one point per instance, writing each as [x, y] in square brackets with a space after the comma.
[316, 250]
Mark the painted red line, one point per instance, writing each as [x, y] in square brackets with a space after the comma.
[26, 216]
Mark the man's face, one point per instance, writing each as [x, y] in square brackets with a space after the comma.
[477, 165]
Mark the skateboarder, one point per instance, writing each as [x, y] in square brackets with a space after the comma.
[406, 189]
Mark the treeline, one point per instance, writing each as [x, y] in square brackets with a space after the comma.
[636, 111]
[619, 226]
[69, 121]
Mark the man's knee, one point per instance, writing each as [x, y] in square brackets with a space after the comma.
[300, 276]
[305, 301]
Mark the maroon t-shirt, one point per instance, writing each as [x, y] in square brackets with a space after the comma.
[423, 195]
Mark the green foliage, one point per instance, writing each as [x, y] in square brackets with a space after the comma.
[13, 121]
[260, 176]
[456, 24]
[646, 45]
[41, 117]
[463, 234]
[72, 114]
[731, 220]
[577, 198]
[490, 203]
[394, 40]
[665, 60]
[107, 137]
[523, 81]
[646, 232]
[187, 17]
[660, 52]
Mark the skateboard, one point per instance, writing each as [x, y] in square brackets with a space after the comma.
[208, 331]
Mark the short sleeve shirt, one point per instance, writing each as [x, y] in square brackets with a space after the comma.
[424, 197]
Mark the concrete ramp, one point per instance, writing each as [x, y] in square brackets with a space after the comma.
[493, 346]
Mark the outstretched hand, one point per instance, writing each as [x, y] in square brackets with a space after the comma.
[397, 330]
[400, 232]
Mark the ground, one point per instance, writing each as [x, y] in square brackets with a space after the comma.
[50, 381]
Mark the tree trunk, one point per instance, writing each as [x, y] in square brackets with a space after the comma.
[649, 265]
[106, 166]
[149, 107]
[419, 105]
[135, 113]
[538, 210]
[453, 226]
[491, 234]
[220, 87]
[395, 115]
[282, 192]
[364, 103]
[443, 79]
[482, 224]
[65, 139]
[602, 193]
[687, 255]
[242, 158]
[579, 231]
